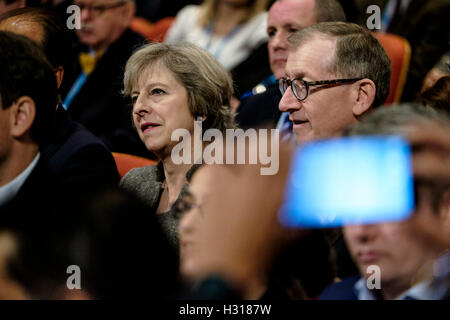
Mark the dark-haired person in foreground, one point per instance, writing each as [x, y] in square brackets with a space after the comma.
[75, 154]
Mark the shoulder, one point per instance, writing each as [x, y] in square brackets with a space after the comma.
[139, 175]
[342, 290]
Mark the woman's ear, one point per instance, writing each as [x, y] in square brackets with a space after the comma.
[22, 116]
[364, 96]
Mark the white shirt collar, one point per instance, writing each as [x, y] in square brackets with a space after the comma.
[10, 190]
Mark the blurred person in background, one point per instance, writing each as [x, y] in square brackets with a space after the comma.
[407, 252]
[284, 18]
[234, 31]
[423, 23]
[94, 95]
[75, 155]
[172, 86]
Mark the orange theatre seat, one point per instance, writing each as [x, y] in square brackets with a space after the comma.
[152, 31]
[399, 52]
[126, 162]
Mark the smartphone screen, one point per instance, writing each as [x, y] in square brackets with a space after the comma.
[349, 180]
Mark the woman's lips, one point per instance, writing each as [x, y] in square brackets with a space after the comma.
[149, 126]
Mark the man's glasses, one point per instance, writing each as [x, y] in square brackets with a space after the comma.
[300, 87]
[96, 11]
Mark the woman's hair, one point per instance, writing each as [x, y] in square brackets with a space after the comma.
[209, 7]
[209, 86]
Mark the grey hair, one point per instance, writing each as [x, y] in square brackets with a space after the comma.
[209, 86]
[357, 54]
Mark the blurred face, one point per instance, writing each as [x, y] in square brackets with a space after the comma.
[327, 110]
[160, 105]
[192, 220]
[400, 249]
[103, 21]
[286, 17]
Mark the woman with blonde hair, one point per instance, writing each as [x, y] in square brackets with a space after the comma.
[171, 86]
[231, 30]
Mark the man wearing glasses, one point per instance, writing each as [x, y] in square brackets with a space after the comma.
[93, 97]
[335, 73]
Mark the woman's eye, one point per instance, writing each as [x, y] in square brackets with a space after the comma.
[134, 99]
[157, 91]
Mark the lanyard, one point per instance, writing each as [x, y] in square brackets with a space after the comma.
[223, 41]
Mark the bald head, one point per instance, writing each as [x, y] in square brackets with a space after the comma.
[46, 29]
[24, 26]
[288, 16]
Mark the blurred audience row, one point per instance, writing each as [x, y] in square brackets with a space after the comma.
[73, 99]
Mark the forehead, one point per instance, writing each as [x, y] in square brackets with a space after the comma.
[22, 26]
[292, 12]
[312, 58]
[157, 72]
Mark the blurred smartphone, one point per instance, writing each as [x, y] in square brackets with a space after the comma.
[349, 180]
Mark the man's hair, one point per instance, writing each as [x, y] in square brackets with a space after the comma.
[394, 120]
[437, 96]
[26, 72]
[358, 54]
[329, 10]
[209, 86]
[56, 39]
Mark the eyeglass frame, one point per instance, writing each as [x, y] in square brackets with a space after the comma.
[101, 8]
[307, 84]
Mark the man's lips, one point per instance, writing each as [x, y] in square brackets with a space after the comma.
[368, 256]
[148, 126]
[298, 122]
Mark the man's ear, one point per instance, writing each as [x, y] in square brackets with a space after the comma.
[22, 116]
[59, 73]
[364, 96]
[129, 12]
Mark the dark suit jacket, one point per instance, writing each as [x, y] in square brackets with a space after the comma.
[77, 156]
[34, 200]
[99, 105]
[343, 290]
[260, 109]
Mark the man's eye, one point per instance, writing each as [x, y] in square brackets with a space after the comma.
[134, 99]
[292, 30]
[271, 33]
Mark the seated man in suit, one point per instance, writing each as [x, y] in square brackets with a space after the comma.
[94, 97]
[28, 99]
[285, 17]
[409, 254]
[75, 154]
[336, 72]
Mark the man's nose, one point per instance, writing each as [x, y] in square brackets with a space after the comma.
[361, 233]
[279, 41]
[289, 102]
